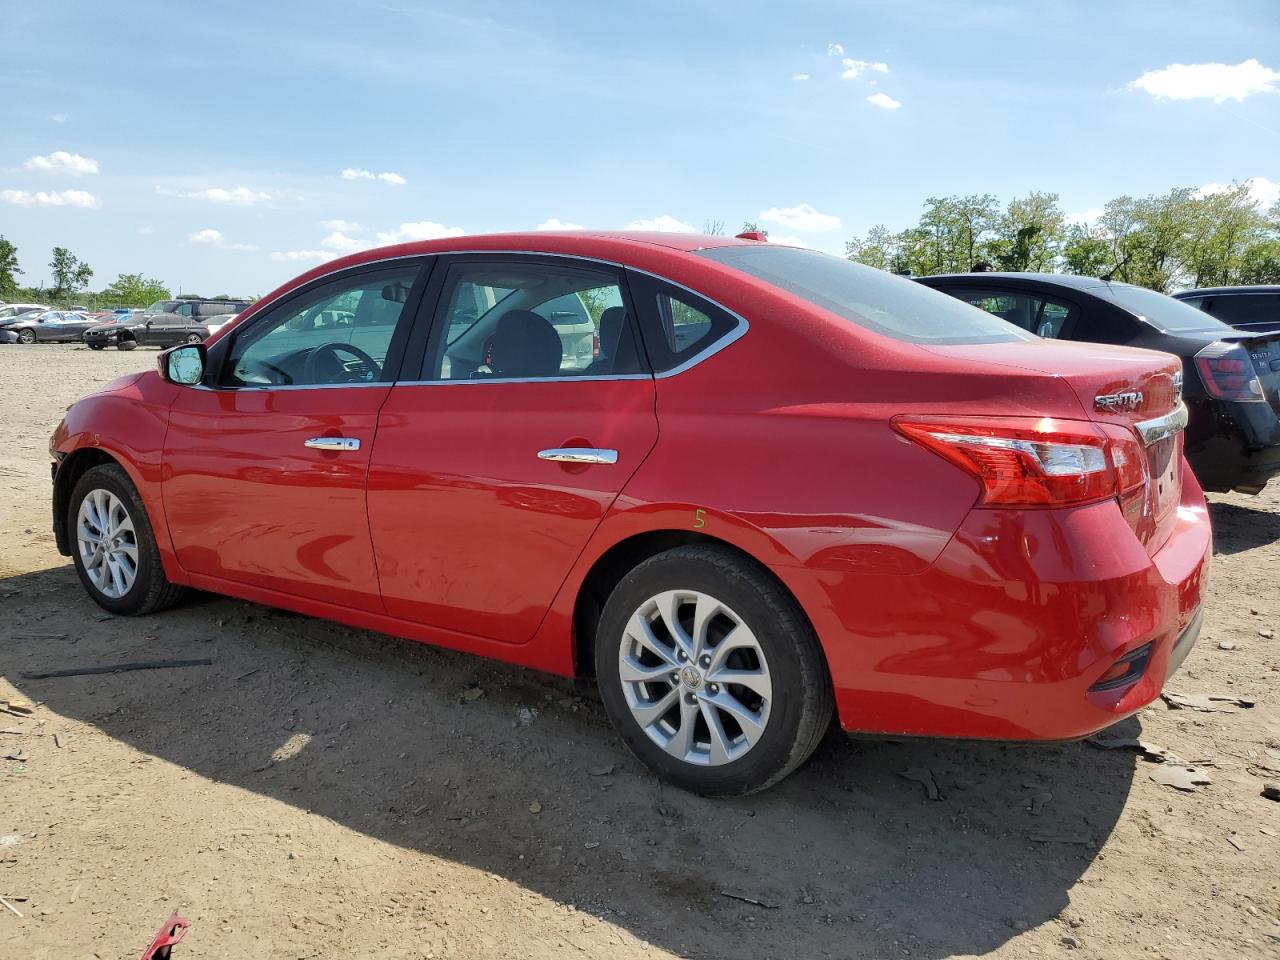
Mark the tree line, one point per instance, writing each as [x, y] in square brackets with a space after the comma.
[1185, 238]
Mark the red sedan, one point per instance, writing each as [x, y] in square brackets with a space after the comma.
[776, 484]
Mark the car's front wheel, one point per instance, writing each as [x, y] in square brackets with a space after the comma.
[27, 336]
[115, 549]
[711, 672]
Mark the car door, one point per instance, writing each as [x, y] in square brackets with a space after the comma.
[492, 469]
[265, 464]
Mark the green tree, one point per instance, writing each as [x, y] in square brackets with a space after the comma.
[69, 273]
[135, 290]
[1029, 234]
[9, 271]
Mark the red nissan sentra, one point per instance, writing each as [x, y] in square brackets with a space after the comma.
[742, 484]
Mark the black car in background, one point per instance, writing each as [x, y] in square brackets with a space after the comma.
[1245, 308]
[1231, 378]
[163, 324]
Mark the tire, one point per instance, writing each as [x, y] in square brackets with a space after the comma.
[97, 346]
[149, 590]
[787, 709]
[194, 338]
[126, 343]
[27, 336]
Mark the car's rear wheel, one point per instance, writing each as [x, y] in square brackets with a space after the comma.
[27, 336]
[711, 672]
[115, 550]
[195, 338]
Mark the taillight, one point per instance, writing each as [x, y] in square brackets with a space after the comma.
[1025, 461]
[1227, 372]
[595, 346]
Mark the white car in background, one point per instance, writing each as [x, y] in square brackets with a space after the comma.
[217, 323]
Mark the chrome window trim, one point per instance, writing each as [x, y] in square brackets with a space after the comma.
[737, 333]
[1161, 428]
[497, 380]
[261, 388]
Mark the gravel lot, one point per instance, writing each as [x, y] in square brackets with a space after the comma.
[321, 792]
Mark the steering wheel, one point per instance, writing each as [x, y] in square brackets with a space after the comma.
[311, 369]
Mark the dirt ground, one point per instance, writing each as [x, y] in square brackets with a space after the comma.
[320, 792]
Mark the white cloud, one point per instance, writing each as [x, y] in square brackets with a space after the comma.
[835, 50]
[341, 242]
[146, 231]
[801, 217]
[884, 101]
[356, 173]
[420, 230]
[62, 162]
[60, 198]
[59, 117]
[238, 196]
[852, 68]
[214, 238]
[1083, 217]
[800, 76]
[663, 224]
[556, 224]
[303, 256]
[1208, 81]
[1264, 192]
[345, 226]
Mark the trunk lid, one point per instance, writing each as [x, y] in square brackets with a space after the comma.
[1121, 388]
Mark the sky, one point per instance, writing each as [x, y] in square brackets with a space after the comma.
[227, 146]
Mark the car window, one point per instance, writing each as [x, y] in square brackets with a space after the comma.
[511, 320]
[891, 306]
[1032, 312]
[1162, 312]
[340, 333]
[1250, 308]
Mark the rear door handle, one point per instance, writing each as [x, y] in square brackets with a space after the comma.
[332, 443]
[579, 455]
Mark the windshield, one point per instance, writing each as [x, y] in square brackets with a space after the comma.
[1163, 312]
[889, 305]
[162, 306]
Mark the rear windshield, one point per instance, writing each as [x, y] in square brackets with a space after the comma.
[889, 305]
[1164, 313]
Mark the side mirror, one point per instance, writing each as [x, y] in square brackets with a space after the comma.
[183, 365]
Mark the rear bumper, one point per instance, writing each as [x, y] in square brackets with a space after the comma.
[1007, 634]
[1232, 444]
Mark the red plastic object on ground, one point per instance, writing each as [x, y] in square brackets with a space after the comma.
[174, 929]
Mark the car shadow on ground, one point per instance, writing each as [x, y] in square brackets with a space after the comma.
[451, 756]
[1239, 527]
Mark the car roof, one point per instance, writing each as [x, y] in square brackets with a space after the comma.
[1219, 291]
[1071, 280]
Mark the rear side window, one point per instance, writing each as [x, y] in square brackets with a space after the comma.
[678, 327]
[891, 306]
[1027, 311]
[1164, 313]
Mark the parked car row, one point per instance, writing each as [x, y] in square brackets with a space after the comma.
[163, 324]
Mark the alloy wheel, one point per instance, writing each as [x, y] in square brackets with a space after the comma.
[695, 677]
[108, 543]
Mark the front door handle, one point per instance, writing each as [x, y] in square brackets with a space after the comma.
[579, 455]
[332, 443]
